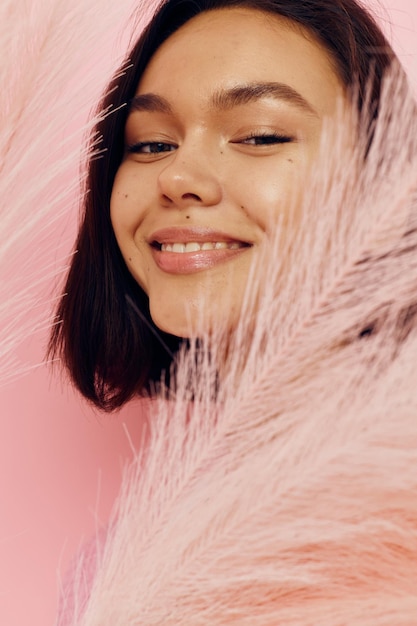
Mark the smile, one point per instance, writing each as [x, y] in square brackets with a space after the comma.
[193, 257]
[195, 246]
[195, 249]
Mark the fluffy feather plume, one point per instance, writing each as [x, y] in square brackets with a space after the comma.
[286, 493]
[45, 102]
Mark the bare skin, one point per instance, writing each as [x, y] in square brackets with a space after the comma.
[221, 129]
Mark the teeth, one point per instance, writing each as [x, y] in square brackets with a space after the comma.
[194, 246]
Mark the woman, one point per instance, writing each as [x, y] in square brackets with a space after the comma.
[276, 487]
[95, 312]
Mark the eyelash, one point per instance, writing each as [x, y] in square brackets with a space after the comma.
[261, 139]
[137, 148]
[266, 139]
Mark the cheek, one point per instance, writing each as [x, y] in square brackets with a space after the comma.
[128, 205]
[269, 190]
[126, 214]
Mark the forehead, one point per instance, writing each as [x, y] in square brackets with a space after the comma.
[223, 48]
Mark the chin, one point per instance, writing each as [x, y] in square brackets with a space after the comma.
[172, 317]
[180, 323]
[176, 327]
[191, 322]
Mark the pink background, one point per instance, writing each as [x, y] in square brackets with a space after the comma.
[60, 462]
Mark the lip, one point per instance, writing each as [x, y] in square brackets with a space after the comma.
[187, 235]
[192, 262]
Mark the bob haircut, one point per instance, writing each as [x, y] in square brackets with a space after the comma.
[103, 333]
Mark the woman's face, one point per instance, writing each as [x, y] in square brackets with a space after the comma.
[226, 118]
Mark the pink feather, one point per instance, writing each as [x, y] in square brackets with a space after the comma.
[45, 103]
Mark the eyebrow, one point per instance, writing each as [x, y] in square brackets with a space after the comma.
[149, 102]
[225, 99]
[245, 94]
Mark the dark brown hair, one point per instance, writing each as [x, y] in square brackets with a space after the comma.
[104, 334]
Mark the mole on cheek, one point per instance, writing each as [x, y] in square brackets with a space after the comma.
[126, 195]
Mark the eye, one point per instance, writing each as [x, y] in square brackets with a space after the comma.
[265, 139]
[151, 147]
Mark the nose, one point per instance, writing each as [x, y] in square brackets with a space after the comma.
[189, 179]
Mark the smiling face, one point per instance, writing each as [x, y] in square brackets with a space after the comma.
[226, 118]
